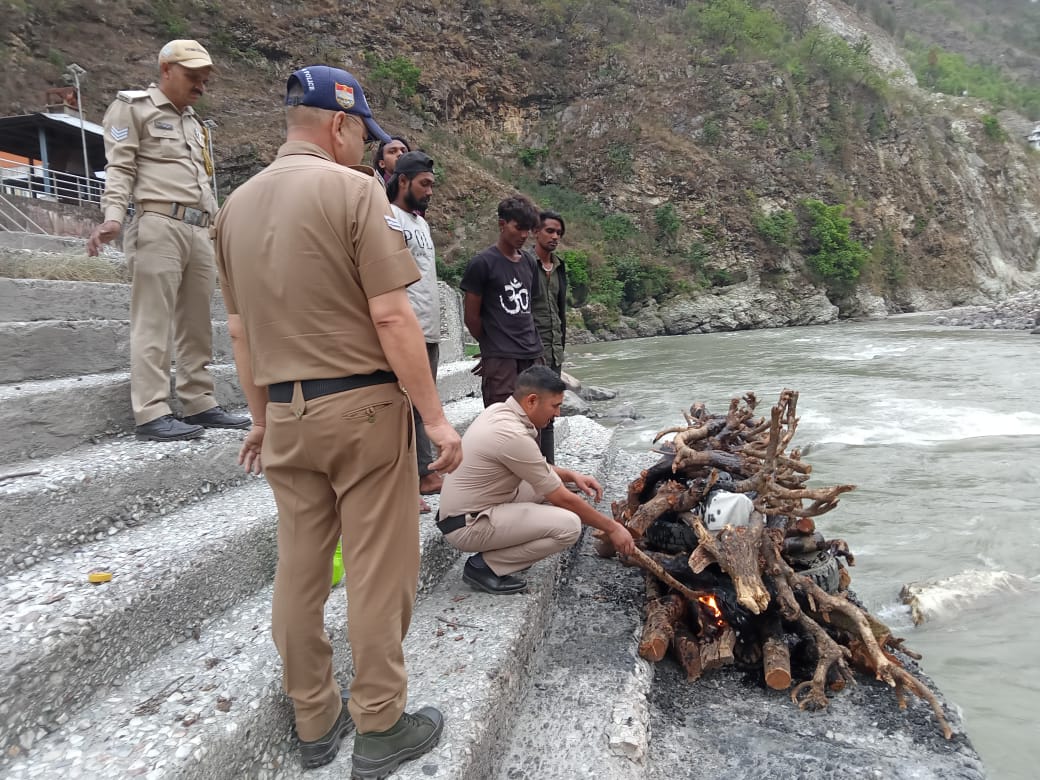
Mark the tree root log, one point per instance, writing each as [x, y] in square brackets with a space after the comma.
[661, 616]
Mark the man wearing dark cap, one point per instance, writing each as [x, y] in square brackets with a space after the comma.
[409, 190]
[158, 157]
[314, 267]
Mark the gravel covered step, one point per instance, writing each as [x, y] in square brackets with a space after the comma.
[47, 349]
[62, 638]
[469, 653]
[97, 490]
[43, 418]
[210, 707]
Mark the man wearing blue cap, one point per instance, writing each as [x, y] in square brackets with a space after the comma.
[314, 266]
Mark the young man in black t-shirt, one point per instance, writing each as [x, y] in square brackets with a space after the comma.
[500, 284]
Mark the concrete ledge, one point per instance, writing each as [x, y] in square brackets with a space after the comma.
[28, 300]
[42, 418]
[62, 639]
[90, 493]
[39, 419]
[214, 707]
[469, 653]
[588, 680]
[204, 709]
[87, 494]
[57, 348]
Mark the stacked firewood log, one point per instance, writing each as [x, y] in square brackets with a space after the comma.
[764, 590]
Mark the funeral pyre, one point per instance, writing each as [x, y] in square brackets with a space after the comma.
[736, 572]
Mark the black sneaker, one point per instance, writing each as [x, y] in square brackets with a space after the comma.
[218, 418]
[378, 753]
[168, 428]
[478, 574]
[321, 751]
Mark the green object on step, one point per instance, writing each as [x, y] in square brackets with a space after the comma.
[337, 564]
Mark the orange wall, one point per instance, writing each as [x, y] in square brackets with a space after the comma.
[12, 160]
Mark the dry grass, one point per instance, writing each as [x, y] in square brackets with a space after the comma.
[19, 264]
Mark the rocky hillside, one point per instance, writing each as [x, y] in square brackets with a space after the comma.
[721, 165]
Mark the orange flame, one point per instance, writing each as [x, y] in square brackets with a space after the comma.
[711, 604]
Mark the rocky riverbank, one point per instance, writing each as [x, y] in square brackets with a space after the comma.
[1017, 312]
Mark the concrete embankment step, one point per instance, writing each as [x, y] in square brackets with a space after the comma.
[98, 490]
[469, 653]
[28, 300]
[42, 418]
[46, 349]
[586, 714]
[62, 638]
[212, 707]
[207, 708]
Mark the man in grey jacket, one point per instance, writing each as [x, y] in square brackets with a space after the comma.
[409, 191]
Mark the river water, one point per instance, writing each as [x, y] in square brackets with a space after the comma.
[939, 428]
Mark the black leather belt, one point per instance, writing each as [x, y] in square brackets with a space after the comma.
[281, 392]
[449, 524]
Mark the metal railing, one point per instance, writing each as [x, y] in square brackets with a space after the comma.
[13, 219]
[32, 181]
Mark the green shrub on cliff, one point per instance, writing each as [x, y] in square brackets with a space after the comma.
[831, 252]
[777, 228]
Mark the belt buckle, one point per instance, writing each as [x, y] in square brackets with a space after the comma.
[195, 217]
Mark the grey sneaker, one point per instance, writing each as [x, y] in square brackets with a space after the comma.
[378, 753]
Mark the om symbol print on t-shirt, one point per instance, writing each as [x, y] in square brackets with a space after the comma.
[518, 297]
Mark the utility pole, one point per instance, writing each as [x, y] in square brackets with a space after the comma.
[76, 71]
[210, 126]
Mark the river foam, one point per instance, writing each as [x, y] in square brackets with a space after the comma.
[943, 598]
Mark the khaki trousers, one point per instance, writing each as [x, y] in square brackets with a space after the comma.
[515, 535]
[344, 465]
[173, 278]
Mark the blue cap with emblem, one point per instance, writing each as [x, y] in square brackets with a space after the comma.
[332, 89]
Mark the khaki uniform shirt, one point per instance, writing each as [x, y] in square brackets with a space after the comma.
[155, 152]
[301, 247]
[499, 451]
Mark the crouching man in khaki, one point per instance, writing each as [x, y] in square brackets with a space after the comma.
[492, 505]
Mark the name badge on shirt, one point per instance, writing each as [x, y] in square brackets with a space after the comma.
[163, 125]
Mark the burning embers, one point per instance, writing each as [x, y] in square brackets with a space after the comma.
[736, 572]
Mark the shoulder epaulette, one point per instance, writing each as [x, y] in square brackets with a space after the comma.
[130, 95]
[368, 170]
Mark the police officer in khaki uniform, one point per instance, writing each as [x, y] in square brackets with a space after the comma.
[509, 505]
[158, 158]
[313, 267]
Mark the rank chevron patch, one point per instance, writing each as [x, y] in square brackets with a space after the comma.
[119, 133]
